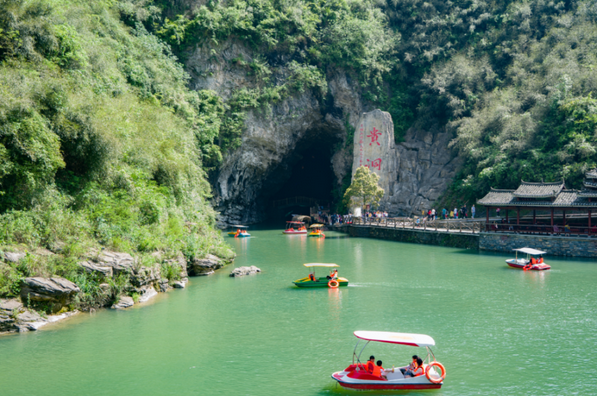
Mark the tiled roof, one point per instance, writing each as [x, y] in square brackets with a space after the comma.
[590, 184]
[592, 174]
[588, 193]
[538, 190]
[566, 198]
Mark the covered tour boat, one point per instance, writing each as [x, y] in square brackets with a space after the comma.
[295, 228]
[532, 262]
[314, 281]
[241, 231]
[356, 376]
[316, 231]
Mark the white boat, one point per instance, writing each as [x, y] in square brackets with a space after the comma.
[356, 375]
[532, 262]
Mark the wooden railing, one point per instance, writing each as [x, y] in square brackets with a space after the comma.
[468, 226]
[571, 230]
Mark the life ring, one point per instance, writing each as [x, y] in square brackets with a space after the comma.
[527, 267]
[333, 283]
[435, 380]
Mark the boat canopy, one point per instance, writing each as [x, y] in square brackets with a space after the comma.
[316, 226]
[238, 226]
[309, 265]
[418, 340]
[532, 252]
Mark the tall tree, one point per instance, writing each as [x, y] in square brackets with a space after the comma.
[364, 188]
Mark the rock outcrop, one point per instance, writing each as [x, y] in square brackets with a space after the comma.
[54, 290]
[205, 266]
[14, 257]
[15, 318]
[124, 302]
[90, 266]
[242, 271]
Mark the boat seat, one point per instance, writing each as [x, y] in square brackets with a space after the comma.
[397, 374]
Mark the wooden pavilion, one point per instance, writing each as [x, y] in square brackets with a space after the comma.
[549, 204]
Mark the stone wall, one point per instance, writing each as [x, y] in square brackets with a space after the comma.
[553, 245]
[464, 241]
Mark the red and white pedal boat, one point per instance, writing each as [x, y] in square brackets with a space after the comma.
[356, 376]
[533, 261]
[295, 228]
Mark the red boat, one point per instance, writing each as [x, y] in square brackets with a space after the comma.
[533, 261]
[356, 376]
[295, 228]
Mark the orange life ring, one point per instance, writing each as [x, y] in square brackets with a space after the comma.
[527, 267]
[441, 367]
[333, 283]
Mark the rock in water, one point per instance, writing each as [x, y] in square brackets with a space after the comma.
[55, 290]
[242, 271]
[205, 266]
[124, 302]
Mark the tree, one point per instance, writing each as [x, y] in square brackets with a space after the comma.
[364, 188]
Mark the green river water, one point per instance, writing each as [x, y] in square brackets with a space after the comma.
[498, 331]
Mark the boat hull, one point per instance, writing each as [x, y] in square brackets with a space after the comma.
[520, 264]
[411, 383]
[233, 235]
[291, 232]
[319, 235]
[321, 282]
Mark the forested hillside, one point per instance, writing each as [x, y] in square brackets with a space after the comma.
[511, 79]
[102, 143]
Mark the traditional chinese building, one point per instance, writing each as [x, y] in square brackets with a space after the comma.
[545, 207]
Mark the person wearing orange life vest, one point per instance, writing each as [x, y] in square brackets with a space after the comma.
[418, 369]
[370, 365]
[379, 371]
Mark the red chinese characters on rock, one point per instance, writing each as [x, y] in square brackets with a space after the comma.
[376, 163]
[374, 135]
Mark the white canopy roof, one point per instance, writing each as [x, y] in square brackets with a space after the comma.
[320, 265]
[530, 251]
[418, 340]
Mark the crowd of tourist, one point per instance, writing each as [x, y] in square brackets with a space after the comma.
[446, 214]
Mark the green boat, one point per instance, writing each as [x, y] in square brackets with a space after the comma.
[313, 281]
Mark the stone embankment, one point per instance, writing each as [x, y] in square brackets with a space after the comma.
[62, 297]
[569, 246]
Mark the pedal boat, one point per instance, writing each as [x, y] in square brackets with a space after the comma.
[241, 232]
[295, 228]
[316, 231]
[356, 376]
[320, 282]
[532, 262]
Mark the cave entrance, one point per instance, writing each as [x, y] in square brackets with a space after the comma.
[304, 180]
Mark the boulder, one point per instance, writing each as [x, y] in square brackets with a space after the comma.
[9, 310]
[90, 266]
[181, 284]
[29, 320]
[145, 276]
[242, 271]
[164, 285]
[205, 266]
[124, 302]
[55, 290]
[147, 294]
[120, 262]
[14, 257]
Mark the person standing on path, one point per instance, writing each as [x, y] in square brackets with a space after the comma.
[455, 213]
[473, 211]
[497, 212]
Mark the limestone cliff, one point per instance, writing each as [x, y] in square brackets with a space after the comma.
[250, 174]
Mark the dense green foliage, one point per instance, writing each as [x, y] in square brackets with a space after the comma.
[364, 189]
[101, 141]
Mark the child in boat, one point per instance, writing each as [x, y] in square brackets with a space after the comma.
[379, 371]
[411, 366]
[418, 370]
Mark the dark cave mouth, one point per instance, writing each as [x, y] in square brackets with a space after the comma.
[306, 173]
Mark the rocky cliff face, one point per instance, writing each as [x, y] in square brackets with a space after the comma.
[273, 136]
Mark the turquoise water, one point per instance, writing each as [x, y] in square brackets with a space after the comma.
[498, 331]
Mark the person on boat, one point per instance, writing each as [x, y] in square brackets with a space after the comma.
[417, 370]
[411, 366]
[541, 259]
[312, 277]
[370, 365]
[379, 371]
